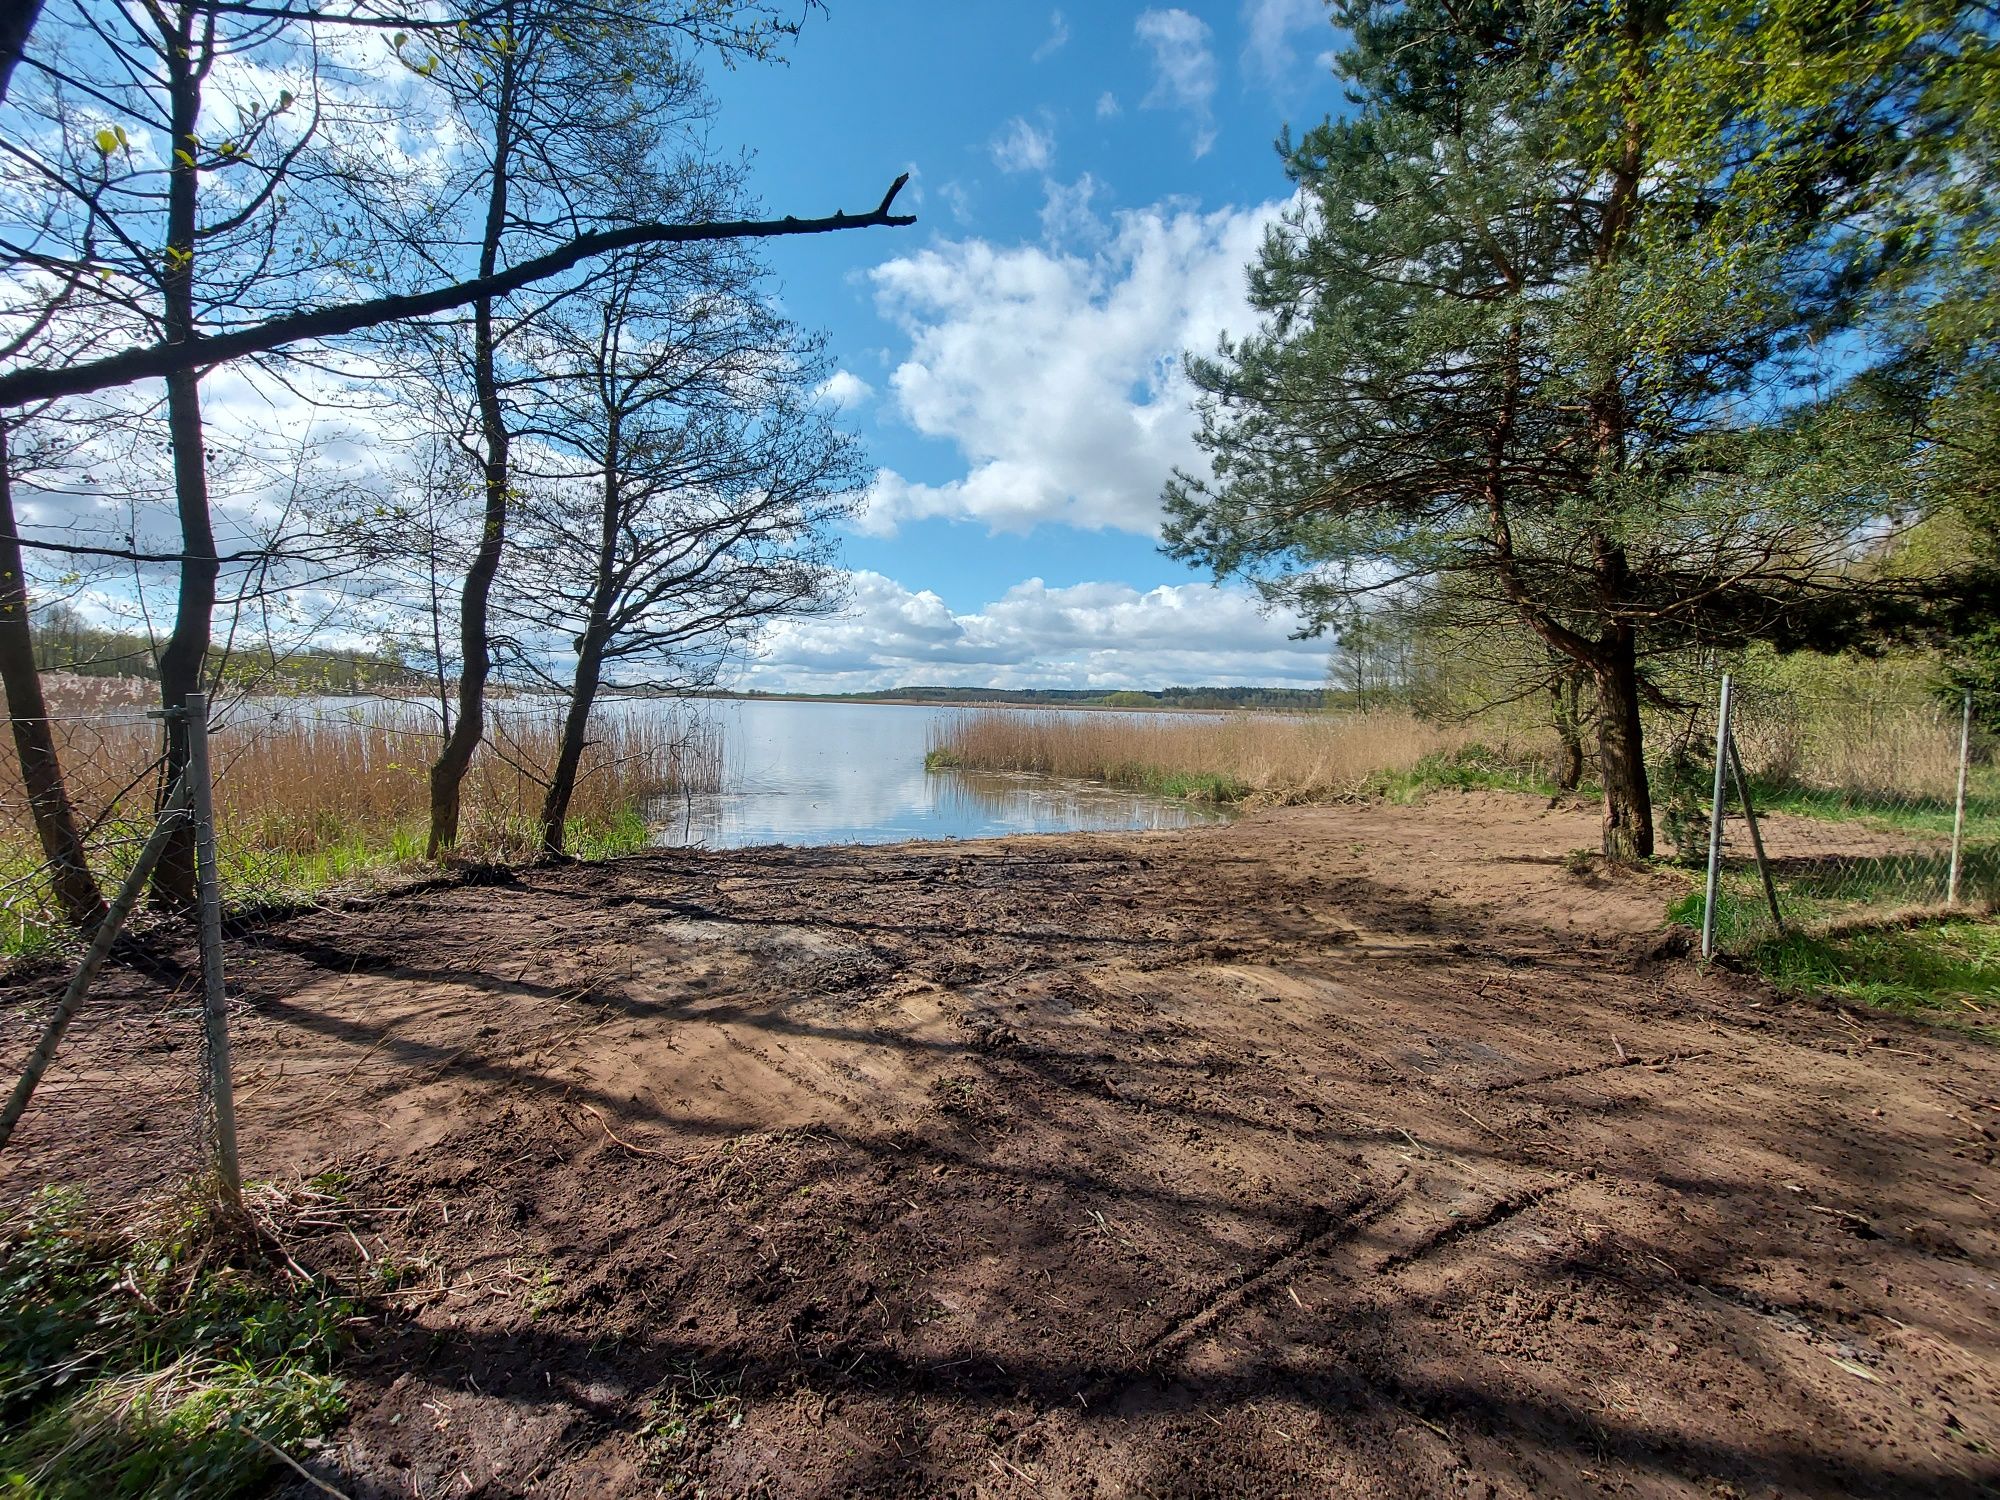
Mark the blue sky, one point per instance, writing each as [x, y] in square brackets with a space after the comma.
[1090, 184]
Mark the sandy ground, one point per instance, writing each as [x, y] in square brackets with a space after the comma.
[1346, 1151]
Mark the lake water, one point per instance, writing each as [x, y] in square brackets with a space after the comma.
[853, 773]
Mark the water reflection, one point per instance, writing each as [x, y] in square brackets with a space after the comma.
[851, 773]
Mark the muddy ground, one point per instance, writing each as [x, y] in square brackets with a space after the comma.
[1347, 1151]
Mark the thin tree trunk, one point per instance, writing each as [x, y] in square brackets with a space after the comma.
[576, 726]
[76, 891]
[1569, 726]
[475, 652]
[1628, 799]
[597, 631]
[186, 654]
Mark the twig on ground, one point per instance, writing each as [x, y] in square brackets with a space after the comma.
[617, 1140]
[289, 1462]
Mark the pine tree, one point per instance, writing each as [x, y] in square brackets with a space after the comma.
[1501, 352]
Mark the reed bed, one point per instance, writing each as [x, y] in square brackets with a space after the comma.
[307, 793]
[1871, 750]
[1265, 757]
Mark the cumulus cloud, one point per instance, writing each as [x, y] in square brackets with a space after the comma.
[1183, 69]
[1107, 105]
[844, 388]
[1269, 26]
[1022, 147]
[1058, 38]
[1086, 635]
[1057, 374]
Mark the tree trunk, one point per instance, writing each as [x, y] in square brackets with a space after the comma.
[597, 630]
[17, 22]
[186, 654]
[475, 654]
[1566, 690]
[576, 725]
[76, 892]
[1621, 753]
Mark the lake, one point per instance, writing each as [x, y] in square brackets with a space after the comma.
[853, 773]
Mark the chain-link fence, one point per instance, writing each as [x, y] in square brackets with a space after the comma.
[1828, 806]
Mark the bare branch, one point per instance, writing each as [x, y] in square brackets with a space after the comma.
[22, 387]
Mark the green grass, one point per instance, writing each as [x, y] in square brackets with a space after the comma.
[1475, 768]
[1892, 814]
[140, 1365]
[1183, 786]
[1832, 888]
[1946, 970]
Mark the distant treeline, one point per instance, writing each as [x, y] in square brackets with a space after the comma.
[66, 642]
[1174, 697]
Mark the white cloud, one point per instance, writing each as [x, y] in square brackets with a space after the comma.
[1086, 635]
[1056, 373]
[1269, 25]
[844, 388]
[1067, 216]
[1107, 105]
[1058, 37]
[1183, 69]
[1021, 147]
[958, 201]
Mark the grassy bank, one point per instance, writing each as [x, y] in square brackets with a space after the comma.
[1231, 759]
[160, 1362]
[307, 795]
[1945, 970]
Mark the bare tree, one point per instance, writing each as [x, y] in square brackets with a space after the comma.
[175, 210]
[170, 187]
[696, 476]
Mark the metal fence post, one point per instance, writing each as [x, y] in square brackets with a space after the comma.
[1756, 837]
[1713, 887]
[215, 1002]
[1958, 807]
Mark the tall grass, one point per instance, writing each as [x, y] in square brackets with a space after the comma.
[1870, 751]
[1268, 757]
[308, 793]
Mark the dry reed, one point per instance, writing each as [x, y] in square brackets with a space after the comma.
[1271, 757]
[1885, 751]
[306, 790]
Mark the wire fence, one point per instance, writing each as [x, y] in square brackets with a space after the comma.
[305, 792]
[123, 1079]
[1833, 808]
